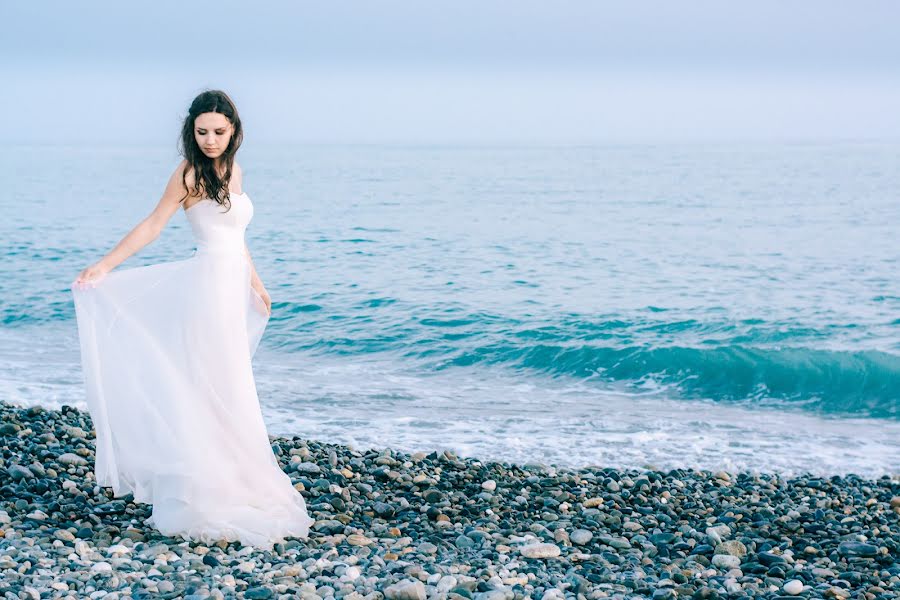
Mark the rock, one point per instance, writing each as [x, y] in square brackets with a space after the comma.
[427, 548]
[581, 536]
[769, 558]
[616, 542]
[662, 538]
[540, 550]
[732, 547]
[210, 560]
[110, 508]
[72, 459]
[355, 539]
[18, 472]
[258, 593]
[101, 567]
[490, 485]
[10, 429]
[408, 589]
[793, 587]
[384, 510]
[848, 548]
[352, 573]
[64, 535]
[307, 467]
[76, 432]
[718, 533]
[726, 561]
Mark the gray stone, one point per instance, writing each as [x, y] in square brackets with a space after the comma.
[540, 550]
[581, 536]
[70, 458]
[732, 547]
[408, 589]
[726, 561]
[848, 548]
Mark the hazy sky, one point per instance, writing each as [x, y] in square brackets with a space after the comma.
[461, 71]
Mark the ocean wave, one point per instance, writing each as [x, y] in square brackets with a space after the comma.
[848, 383]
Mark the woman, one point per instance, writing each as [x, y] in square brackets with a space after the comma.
[166, 352]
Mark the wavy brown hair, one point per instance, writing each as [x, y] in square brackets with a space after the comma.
[206, 179]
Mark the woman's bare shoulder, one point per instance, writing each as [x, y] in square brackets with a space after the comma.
[183, 178]
[238, 175]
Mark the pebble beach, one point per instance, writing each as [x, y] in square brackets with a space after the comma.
[433, 525]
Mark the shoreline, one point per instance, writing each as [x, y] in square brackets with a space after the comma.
[416, 525]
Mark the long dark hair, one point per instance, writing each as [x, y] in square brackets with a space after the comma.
[206, 179]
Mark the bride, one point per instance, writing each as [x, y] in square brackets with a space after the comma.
[166, 355]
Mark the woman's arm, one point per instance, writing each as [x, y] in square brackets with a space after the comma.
[143, 233]
[255, 281]
[149, 229]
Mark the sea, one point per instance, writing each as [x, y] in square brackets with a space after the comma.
[711, 306]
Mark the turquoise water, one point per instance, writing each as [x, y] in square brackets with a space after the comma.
[701, 305]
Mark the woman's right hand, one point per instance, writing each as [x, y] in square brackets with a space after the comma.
[90, 276]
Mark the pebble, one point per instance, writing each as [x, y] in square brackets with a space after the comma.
[408, 589]
[581, 537]
[726, 561]
[732, 547]
[68, 458]
[540, 550]
[857, 549]
[435, 525]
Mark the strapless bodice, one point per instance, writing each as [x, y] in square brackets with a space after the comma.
[217, 229]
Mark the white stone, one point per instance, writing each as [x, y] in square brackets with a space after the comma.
[82, 547]
[247, 566]
[352, 573]
[718, 533]
[32, 593]
[101, 567]
[581, 537]
[726, 561]
[408, 589]
[447, 583]
[489, 485]
[793, 587]
[540, 550]
[70, 458]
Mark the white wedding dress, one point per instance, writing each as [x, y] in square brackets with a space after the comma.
[166, 352]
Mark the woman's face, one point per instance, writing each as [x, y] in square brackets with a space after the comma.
[212, 131]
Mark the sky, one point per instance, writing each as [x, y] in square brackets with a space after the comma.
[454, 72]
